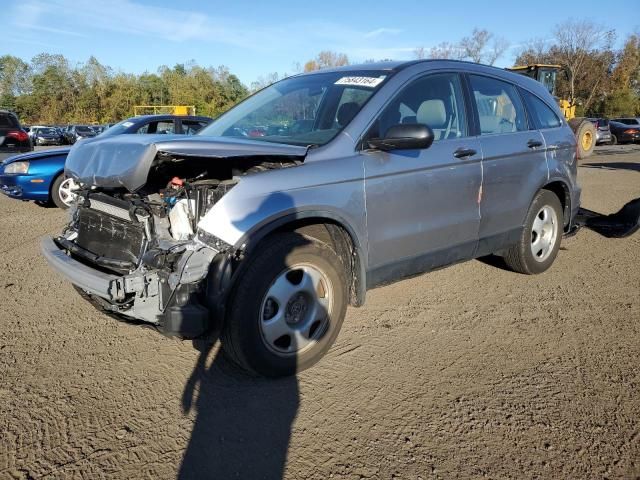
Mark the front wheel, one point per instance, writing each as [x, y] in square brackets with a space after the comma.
[288, 306]
[540, 239]
[63, 192]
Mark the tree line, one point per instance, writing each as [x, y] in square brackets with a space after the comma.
[600, 79]
[48, 90]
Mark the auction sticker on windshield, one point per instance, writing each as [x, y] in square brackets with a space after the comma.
[371, 82]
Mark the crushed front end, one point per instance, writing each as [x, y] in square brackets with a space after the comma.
[123, 254]
[133, 245]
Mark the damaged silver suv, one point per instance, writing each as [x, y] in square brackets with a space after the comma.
[293, 204]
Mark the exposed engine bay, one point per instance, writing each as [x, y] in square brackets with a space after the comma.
[147, 242]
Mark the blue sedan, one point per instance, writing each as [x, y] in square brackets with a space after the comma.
[39, 175]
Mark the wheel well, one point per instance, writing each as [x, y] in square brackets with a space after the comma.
[336, 236]
[53, 180]
[562, 192]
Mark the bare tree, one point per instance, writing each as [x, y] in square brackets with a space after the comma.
[326, 59]
[481, 46]
[533, 51]
[266, 80]
[474, 46]
[499, 45]
[575, 40]
[446, 50]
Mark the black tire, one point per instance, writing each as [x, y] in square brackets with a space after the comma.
[520, 257]
[242, 340]
[588, 130]
[614, 140]
[55, 192]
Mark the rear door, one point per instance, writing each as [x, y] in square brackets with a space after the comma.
[559, 142]
[514, 162]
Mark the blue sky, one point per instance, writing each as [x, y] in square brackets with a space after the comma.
[256, 38]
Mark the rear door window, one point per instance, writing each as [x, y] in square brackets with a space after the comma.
[164, 126]
[191, 127]
[500, 109]
[543, 116]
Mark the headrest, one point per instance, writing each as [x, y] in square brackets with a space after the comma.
[346, 112]
[432, 113]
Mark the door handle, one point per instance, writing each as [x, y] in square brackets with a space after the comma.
[534, 143]
[464, 152]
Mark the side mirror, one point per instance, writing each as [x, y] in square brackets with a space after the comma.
[406, 136]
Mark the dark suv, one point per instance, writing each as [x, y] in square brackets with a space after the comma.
[13, 139]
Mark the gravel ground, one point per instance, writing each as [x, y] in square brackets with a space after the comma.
[467, 372]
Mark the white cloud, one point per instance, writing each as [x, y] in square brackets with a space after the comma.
[382, 31]
[42, 28]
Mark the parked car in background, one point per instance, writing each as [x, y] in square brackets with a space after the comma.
[624, 132]
[603, 133]
[47, 136]
[78, 132]
[160, 124]
[633, 121]
[39, 176]
[372, 173]
[32, 130]
[13, 139]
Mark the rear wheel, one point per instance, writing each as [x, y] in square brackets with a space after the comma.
[614, 139]
[288, 307]
[540, 239]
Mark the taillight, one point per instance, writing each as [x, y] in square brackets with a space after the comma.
[630, 131]
[19, 135]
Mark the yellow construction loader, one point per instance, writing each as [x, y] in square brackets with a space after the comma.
[584, 130]
[164, 109]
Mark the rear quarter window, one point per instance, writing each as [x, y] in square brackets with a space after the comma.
[542, 115]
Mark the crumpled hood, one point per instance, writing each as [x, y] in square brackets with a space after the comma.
[125, 160]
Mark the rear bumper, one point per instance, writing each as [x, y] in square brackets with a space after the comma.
[628, 137]
[603, 136]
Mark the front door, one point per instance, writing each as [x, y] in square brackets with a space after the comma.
[422, 205]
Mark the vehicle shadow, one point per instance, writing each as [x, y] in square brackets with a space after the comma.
[243, 424]
[614, 166]
[624, 223]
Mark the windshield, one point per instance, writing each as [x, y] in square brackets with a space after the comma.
[117, 129]
[47, 131]
[83, 129]
[303, 110]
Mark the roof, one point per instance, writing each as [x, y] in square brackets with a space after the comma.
[400, 65]
[534, 65]
[168, 116]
